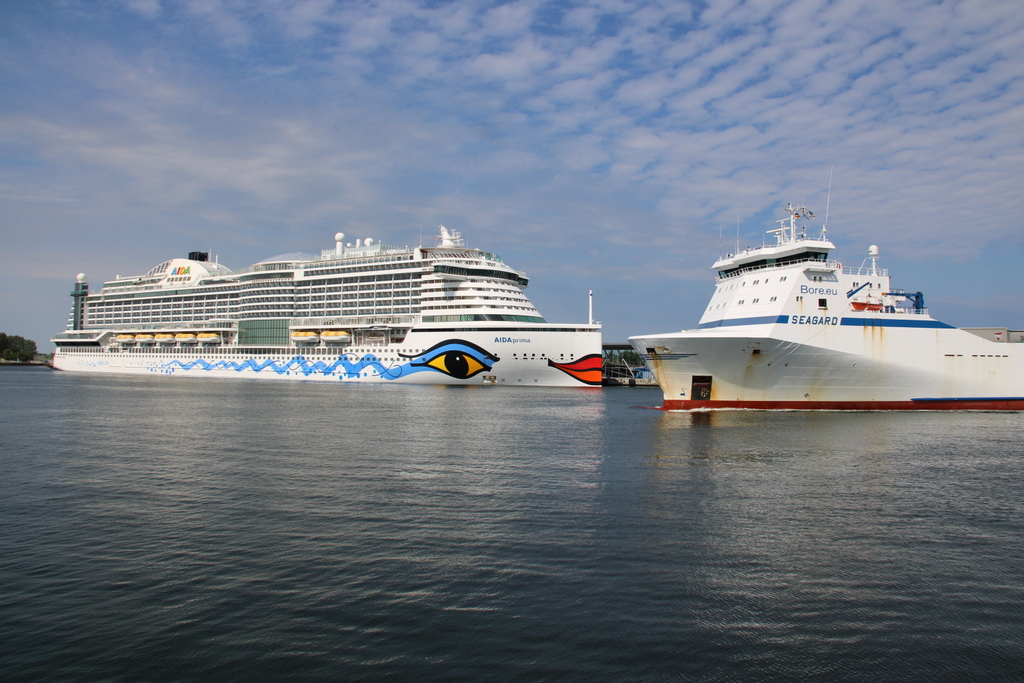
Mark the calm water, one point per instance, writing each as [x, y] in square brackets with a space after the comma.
[173, 528]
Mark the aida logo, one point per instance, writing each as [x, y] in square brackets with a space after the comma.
[181, 270]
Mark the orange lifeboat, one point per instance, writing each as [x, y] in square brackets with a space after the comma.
[868, 305]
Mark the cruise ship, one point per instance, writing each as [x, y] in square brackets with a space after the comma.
[790, 328]
[362, 312]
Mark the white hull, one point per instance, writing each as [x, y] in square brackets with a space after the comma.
[360, 313]
[787, 328]
[847, 366]
[443, 357]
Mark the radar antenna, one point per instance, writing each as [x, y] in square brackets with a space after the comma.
[785, 234]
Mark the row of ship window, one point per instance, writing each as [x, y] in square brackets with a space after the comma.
[268, 296]
[755, 282]
[281, 303]
[227, 289]
[198, 303]
[283, 291]
[299, 307]
[372, 265]
[262, 313]
[743, 301]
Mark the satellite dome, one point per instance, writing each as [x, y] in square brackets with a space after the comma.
[80, 277]
[339, 237]
[873, 250]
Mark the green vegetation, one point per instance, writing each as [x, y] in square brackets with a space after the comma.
[16, 348]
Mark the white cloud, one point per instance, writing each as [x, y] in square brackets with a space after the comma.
[594, 121]
[526, 58]
[219, 18]
[149, 9]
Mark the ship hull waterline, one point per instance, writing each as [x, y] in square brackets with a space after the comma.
[952, 371]
[553, 359]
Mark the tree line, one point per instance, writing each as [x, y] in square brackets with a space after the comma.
[13, 347]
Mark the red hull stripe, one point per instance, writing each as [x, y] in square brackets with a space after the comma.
[586, 369]
[972, 399]
[915, 404]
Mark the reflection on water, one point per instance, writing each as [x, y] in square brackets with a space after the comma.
[851, 527]
[179, 528]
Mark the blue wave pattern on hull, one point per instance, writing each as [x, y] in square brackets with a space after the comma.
[455, 357]
[343, 367]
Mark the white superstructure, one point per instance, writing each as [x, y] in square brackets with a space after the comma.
[363, 312]
[790, 328]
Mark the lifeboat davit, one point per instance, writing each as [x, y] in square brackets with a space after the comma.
[185, 338]
[305, 337]
[336, 337]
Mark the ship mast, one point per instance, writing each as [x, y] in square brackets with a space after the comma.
[786, 234]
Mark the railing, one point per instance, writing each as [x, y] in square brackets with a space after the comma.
[907, 311]
[880, 272]
[345, 321]
[79, 335]
[773, 266]
[846, 270]
[212, 324]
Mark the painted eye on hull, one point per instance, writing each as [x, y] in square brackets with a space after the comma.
[456, 364]
[456, 358]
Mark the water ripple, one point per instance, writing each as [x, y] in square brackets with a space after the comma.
[167, 529]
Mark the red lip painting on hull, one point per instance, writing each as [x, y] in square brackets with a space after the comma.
[987, 403]
[586, 369]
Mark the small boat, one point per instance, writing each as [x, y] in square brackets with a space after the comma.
[144, 339]
[305, 336]
[336, 337]
[185, 338]
[125, 339]
[208, 338]
[164, 339]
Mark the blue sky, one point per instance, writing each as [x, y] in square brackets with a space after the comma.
[595, 145]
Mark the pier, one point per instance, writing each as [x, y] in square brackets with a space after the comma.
[622, 366]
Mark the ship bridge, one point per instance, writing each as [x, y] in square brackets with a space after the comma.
[792, 246]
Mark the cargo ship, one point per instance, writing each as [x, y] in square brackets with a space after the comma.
[789, 328]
